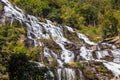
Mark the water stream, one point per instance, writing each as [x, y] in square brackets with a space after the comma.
[55, 32]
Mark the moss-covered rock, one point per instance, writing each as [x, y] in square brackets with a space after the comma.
[52, 45]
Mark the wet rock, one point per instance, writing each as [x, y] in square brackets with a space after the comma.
[63, 45]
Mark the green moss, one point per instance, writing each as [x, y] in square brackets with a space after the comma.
[66, 65]
[74, 65]
[88, 74]
[72, 36]
[52, 45]
[102, 69]
[1, 7]
[52, 66]
[34, 53]
[80, 66]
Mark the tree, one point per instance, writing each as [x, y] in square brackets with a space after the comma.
[70, 15]
[89, 12]
[110, 25]
[34, 7]
[21, 69]
[17, 66]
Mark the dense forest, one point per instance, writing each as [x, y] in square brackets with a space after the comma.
[98, 19]
[95, 18]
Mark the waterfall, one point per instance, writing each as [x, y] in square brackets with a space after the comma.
[55, 32]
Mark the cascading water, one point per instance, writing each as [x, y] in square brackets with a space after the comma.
[39, 30]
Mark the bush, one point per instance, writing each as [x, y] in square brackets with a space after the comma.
[110, 25]
[21, 69]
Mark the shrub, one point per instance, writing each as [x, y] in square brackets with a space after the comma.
[110, 25]
[21, 69]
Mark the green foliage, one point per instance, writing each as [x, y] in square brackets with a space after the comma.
[115, 4]
[72, 36]
[21, 69]
[16, 66]
[11, 41]
[74, 65]
[102, 69]
[8, 41]
[1, 7]
[70, 15]
[96, 18]
[79, 14]
[88, 74]
[54, 15]
[20, 48]
[34, 53]
[89, 12]
[94, 33]
[52, 45]
[66, 65]
[110, 25]
[80, 66]
[35, 7]
[9, 36]
[116, 14]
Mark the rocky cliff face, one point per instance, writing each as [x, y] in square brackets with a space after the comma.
[71, 54]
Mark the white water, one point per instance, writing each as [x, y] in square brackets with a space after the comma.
[116, 55]
[59, 74]
[101, 54]
[86, 53]
[35, 27]
[82, 36]
[114, 67]
[67, 73]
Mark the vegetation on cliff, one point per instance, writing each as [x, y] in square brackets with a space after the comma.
[95, 18]
[12, 43]
[98, 19]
